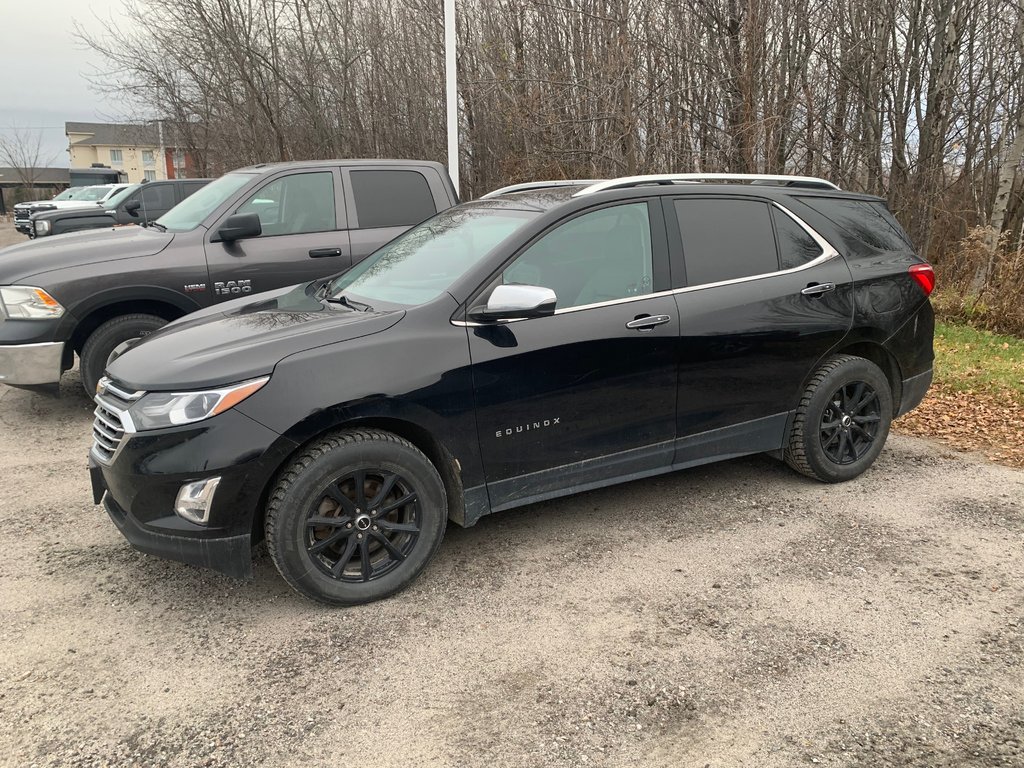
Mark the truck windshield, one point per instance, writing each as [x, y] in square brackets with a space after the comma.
[68, 193]
[92, 194]
[422, 264]
[193, 210]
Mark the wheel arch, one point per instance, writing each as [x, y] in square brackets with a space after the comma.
[884, 359]
[106, 306]
[423, 439]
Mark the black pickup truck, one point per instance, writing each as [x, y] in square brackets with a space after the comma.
[136, 204]
[251, 230]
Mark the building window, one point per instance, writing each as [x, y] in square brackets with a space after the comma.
[147, 157]
[116, 156]
[149, 175]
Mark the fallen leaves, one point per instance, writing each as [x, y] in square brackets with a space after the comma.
[992, 424]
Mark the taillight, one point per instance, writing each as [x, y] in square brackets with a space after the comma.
[924, 276]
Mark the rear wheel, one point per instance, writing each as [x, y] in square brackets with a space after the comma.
[98, 348]
[356, 517]
[842, 421]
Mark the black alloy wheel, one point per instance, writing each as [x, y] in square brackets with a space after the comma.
[849, 424]
[363, 525]
[355, 517]
[842, 420]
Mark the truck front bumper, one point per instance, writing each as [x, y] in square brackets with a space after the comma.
[25, 365]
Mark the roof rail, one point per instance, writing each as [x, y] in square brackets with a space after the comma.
[683, 178]
[537, 185]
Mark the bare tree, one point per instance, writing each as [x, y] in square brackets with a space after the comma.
[22, 150]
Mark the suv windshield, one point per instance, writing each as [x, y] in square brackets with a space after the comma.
[117, 199]
[426, 260]
[193, 210]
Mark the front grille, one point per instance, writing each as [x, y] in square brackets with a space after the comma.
[112, 422]
[22, 214]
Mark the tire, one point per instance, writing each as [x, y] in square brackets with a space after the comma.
[351, 558]
[101, 343]
[842, 421]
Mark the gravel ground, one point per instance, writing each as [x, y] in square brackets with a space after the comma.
[732, 615]
[9, 235]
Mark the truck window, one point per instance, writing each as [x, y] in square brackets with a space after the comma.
[391, 198]
[158, 198]
[296, 204]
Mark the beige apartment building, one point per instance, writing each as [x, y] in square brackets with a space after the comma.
[143, 151]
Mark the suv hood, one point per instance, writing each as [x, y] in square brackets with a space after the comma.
[242, 340]
[18, 262]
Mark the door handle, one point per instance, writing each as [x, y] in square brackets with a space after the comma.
[816, 289]
[320, 253]
[647, 322]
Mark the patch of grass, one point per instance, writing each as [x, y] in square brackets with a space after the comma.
[971, 360]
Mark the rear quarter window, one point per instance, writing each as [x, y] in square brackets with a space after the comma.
[867, 222]
[391, 198]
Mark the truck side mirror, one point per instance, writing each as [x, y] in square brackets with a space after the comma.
[132, 207]
[239, 226]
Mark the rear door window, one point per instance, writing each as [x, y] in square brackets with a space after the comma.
[725, 239]
[391, 198]
[869, 222]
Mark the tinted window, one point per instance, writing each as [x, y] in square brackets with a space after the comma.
[726, 239]
[869, 222]
[599, 256]
[159, 197]
[796, 247]
[293, 205]
[192, 186]
[391, 198]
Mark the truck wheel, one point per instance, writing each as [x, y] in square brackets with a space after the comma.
[101, 344]
[355, 517]
[842, 421]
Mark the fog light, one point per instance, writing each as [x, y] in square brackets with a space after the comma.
[194, 500]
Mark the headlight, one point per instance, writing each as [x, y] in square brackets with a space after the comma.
[23, 302]
[168, 409]
[42, 227]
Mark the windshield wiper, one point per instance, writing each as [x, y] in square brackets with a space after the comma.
[157, 224]
[341, 299]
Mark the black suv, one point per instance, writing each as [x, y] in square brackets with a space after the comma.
[536, 343]
[136, 204]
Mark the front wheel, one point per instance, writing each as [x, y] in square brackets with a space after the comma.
[355, 517]
[842, 421]
[99, 347]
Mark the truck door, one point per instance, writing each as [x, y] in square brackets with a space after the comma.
[302, 214]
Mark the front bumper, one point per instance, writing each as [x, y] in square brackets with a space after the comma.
[23, 365]
[139, 487]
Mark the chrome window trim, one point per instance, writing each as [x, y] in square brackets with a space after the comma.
[828, 253]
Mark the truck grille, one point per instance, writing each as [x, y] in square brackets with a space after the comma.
[112, 422]
[22, 214]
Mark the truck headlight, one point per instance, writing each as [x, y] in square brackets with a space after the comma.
[42, 227]
[24, 302]
[168, 409]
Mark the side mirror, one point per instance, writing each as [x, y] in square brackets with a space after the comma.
[508, 302]
[239, 226]
[132, 207]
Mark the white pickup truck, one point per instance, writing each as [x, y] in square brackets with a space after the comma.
[73, 197]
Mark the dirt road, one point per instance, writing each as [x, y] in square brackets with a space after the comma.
[734, 615]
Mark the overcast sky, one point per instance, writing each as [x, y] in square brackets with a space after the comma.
[44, 67]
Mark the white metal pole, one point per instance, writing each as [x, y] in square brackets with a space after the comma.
[451, 92]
